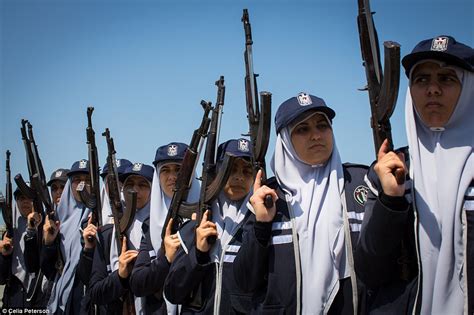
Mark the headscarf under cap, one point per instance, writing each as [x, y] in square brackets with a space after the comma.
[72, 215]
[442, 167]
[159, 205]
[314, 194]
[134, 237]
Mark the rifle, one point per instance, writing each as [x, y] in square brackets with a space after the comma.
[38, 191]
[382, 87]
[212, 181]
[6, 202]
[178, 210]
[259, 117]
[92, 200]
[6, 205]
[38, 179]
[123, 214]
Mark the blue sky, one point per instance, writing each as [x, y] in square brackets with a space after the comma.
[145, 66]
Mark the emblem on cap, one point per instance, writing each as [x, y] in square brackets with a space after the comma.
[172, 150]
[117, 163]
[243, 145]
[58, 174]
[360, 194]
[82, 163]
[137, 167]
[440, 44]
[304, 99]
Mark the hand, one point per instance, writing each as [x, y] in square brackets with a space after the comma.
[262, 214]
[389, 166]
[89, 234]
[204, 230]
[126, 260]
[6, 245]
[34, 219]
[171, 242]
[50, 230]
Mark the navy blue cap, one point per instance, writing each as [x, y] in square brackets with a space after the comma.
[173, 151]
[58, 175]
[138, 169]
[121, 164]
[237, 147]
[444, 48]
[292, 108]
[79, 167]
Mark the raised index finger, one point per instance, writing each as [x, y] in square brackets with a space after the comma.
[204, 217]
[258, 181]
[384, 149]
[124, 244]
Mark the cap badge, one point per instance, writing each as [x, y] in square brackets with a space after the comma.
[243, 145]
[304, 99]
[117, 163]
[58, 174]
[82, 164]
[439, 44]
[137, 167]
[172, 150]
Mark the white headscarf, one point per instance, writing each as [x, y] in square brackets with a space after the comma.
[18, 266]
[71, 214]
[227, 215]
[106, 210]
[159, 209]
[442, 166]
[160, 204]
[314, 193]
[134, 235]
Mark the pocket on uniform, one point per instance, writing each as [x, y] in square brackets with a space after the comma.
[241, 303]
[272, 309]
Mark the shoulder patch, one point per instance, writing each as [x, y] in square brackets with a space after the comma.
[360, 194]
